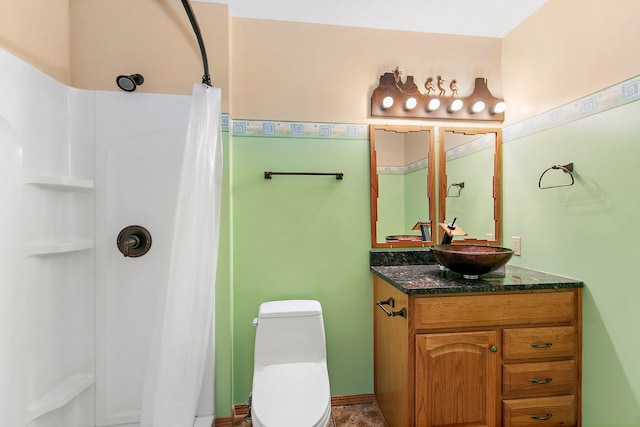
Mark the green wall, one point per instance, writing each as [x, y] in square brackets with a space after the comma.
[308, 237]
[303, 237]
[403, 200]
[415, 201]
[223, 355]
[391, 191]
[589, 231]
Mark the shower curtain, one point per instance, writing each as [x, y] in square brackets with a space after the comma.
[185, 318]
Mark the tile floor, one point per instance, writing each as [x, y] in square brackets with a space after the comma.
[363, 415]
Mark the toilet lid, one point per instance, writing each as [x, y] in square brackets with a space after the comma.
[291, 395]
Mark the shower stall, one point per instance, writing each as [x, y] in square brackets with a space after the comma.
[76, 316]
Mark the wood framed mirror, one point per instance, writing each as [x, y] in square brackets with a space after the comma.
[470, 183]
[402, 162]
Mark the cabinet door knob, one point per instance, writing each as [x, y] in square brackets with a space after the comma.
[494, 348]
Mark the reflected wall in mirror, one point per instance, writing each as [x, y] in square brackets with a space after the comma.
[402, 185]
[471, 183]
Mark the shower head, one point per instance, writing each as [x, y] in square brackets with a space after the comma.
[130, 82]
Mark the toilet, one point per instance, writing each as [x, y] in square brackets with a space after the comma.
[290, 378]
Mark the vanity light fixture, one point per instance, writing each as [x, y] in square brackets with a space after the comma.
[402, 99]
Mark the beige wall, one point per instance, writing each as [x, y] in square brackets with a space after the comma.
[38, 32]
[281, 70]
[150, 37]
[566, 50]
[311, 72]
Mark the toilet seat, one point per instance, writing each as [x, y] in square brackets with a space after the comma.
[291, 395]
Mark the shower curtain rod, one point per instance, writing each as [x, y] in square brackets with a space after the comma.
[206, 78]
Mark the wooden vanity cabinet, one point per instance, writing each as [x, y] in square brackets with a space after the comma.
[509, 359]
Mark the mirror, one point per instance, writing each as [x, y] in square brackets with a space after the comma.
[471, 183]
[402, 186]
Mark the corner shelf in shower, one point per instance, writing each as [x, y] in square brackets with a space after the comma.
[48, 247]
[60, 395]
[59, 182]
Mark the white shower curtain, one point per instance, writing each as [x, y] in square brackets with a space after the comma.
[185, 319]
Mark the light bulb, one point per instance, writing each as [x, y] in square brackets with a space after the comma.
[477, 107]
[455, 105]
[500, 107]
[387, 102]
[433, 105]
[410, 104]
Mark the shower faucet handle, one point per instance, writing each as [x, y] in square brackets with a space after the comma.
[134, 241]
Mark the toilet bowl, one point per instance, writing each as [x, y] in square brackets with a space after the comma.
[290, 378]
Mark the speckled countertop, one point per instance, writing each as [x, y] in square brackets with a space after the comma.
[429, 278]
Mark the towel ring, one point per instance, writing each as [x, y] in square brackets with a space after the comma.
[568, 168]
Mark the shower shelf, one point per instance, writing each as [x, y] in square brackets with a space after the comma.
[62, 182]
[48, 247]
[60, 395]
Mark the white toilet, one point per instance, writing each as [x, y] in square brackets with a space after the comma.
[290, 377]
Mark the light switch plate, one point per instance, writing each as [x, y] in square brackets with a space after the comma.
[516, 245]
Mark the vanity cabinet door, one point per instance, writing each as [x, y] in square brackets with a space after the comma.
[456, 379]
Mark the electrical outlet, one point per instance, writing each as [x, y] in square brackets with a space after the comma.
[516, 245]
[490, 236]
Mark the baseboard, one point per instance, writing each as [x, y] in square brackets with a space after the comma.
[353, 399]
[223, 422]
[241, 410]
[350, 399]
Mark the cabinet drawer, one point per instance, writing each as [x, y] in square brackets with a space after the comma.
[494, 310]
[540, 411]
[539, 343]
[539, 379]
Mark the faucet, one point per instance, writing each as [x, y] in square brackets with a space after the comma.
[448, 236]
[424, 229]
[134, 241]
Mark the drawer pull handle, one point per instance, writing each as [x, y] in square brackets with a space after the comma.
[390, 302]
[542, 417]
[545, 345]
[546, 381]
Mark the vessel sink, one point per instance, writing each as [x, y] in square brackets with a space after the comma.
[471, 260]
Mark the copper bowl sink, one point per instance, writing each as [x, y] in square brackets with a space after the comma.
[471, 260]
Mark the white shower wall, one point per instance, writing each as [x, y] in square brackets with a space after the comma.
[139, 141]
[47, 288]
[75, 168]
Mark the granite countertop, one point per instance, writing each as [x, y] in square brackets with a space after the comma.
[431, 279]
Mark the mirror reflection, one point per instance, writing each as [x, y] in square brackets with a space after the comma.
[402, 186]
[470, 183]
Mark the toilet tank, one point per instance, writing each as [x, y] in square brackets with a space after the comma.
[289, 331]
